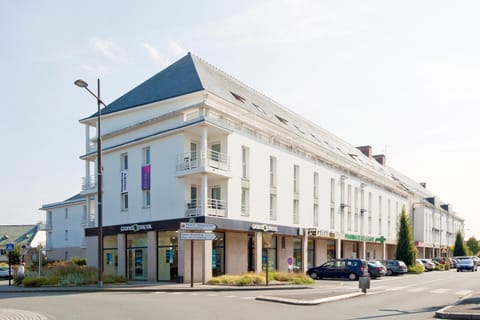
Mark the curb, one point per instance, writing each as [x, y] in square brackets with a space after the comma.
[444, 314]
[310, 302]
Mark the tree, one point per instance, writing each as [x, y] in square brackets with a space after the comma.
[459, 249]
[472, 244]
[406, 250]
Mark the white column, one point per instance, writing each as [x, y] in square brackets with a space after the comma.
[305, 252]
[87, 150]
[152, 255]
[364, 250]
[203, 153]
[258, 251]
[207, 260]
[338, 249]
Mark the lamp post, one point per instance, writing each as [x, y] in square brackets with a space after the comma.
[82, 84]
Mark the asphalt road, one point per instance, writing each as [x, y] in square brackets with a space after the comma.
[399, 297]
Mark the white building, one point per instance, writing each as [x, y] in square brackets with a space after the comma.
[65, 228]
[194, 144]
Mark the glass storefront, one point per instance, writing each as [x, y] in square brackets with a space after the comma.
[297, 254]
[331, 254]
[311, 253]
[110, 255]
[272, 256]
[218, 254]
[137, 256]
[167, 250]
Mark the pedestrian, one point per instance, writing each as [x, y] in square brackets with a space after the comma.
[20, 273]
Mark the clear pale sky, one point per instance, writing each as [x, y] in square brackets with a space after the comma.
[401, 76]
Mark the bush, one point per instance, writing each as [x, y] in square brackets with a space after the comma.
[34, 282]
[79, 261]
[251, 278]
[416, 269]
[114, 278]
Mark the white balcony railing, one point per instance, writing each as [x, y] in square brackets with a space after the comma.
[193, 160]
[89, 183]
[215, 207]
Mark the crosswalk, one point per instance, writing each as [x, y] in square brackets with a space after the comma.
[456, 292]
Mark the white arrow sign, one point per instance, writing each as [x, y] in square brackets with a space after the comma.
[197, 236]
[197, 226]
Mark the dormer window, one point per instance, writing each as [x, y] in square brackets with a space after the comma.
[282, 120]
[238, 97]
[259, 108]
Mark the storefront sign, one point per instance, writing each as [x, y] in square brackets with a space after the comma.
[123, 181]
[136, 227]
[320, 233]
[197, 226]
[197, 236]
[264, 227]
[358, 237]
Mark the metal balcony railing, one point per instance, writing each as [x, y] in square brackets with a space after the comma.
[90, 183]
[193, 160]
[215, 207]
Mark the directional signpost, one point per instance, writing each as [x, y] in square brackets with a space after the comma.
[10, 247]
[193, 226]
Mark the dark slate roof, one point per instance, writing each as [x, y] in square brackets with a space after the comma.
[73, 199]
[178, 79]
[17, 234]
[192, 74]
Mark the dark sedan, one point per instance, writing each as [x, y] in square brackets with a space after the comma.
[376, 269]
[466, 264]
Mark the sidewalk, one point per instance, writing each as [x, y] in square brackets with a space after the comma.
[466, 308]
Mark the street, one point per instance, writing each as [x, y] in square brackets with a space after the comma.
[397, 297]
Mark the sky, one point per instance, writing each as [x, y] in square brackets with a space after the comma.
[400, 76]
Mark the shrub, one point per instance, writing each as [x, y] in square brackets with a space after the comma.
[34, 282]
[114, 278]
[79, 261]
[416, 269]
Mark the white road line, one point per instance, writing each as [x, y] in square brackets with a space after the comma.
[417, 289]
[396, 288]
[247, 298]
[441, 290]
[230, 297]
[463, 292]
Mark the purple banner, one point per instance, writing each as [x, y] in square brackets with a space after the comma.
[146, 177]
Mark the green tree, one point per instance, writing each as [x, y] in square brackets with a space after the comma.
[472, 244]
[406, 250]
[459, 249]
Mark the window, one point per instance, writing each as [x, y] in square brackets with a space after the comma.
[296, 179]
[146, 156]
[124, 161]
[296, 218]
[282, 120]
[355, 223]
[332, 192]
[66, 235]
[193, 197]
[315, 185]
[379, 215]
[124, 197]
[193, 151]
[273, 171]
[66, 213]
[146, 199]
[245, 161]
[259, 108]
[273, 207]
[315, 214]
[332, 218]
[245, 201]
[369, 213]
[389, 213]
[215, 153]
[238, 97]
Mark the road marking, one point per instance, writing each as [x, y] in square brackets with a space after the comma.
[396, 288]
[417, 289]
[231, 297]
[441, 290]
[463, 292]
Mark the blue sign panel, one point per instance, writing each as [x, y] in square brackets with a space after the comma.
[9, 246]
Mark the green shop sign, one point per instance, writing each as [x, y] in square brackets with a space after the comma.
[358, 237]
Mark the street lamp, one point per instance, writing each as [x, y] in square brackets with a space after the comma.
[82, 84]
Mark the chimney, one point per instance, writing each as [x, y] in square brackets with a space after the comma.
[423, 184]
[366, 150]
[380, 159]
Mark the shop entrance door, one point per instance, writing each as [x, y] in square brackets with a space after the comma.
[137, 264]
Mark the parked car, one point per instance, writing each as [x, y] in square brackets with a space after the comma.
[420, 263]
[349, 268]
[466, 264]
[4, 272]
[475, 259]
[376, 269]
[428, 264]
[395, 267]
[453, 263]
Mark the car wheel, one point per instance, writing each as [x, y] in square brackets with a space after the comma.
[352, 276]
[458, 270]
[314, 275]
[389, 272]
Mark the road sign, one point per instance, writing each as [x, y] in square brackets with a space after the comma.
[197, 236]
[10, 247]
[197, 226]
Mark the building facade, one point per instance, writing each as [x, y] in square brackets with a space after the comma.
[193, 144]
[65, 225]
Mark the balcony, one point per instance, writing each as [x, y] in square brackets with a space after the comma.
[215, 162]
[90, 183]
[215, 208]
